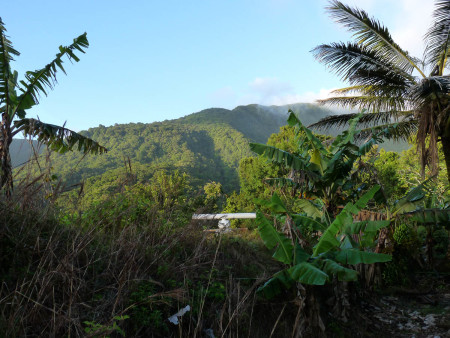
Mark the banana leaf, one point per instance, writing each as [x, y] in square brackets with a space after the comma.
[272, 238]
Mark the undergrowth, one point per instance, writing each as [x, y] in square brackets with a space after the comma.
[125, 271]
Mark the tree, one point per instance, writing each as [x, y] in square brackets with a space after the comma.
[390, 83]
[16, 97]
[323, 175]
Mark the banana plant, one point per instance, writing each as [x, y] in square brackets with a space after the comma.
[422, 206]
[17, 96]
[325, 171]
[341, 244]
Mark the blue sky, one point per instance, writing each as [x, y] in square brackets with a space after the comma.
[156, 60]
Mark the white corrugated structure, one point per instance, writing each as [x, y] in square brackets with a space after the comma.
[224, 219]
[242, 215]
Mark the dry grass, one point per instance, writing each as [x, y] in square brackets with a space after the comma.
[60, 278]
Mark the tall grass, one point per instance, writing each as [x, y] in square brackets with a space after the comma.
[125, 267]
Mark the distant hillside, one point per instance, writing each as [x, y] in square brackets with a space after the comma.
[21, 150]
[207, 145]
[258, 122]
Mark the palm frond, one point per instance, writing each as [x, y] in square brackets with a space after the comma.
[7, 53]
[38, 81]
[366, 120]
[429, 89]
[360, 65]
[437, 39]
[371, 103]
[369, 33]
[399, 131]
[58, 138]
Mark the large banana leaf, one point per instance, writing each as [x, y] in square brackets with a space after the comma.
[275, 204]
[413, 198]
[58, 138]
[272, 238]
[328, 240]
[368, 230]
[279, 282]
[310, 208]
[354, 256]
[308, 274]
[281, 157]
[309, 223]
[7, 53]
[315, 143]
[344, 274]
[365, 226]
[346, 138]
[432, 216]
[318, 154]
[300, 255]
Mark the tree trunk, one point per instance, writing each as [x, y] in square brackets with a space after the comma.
[446, 149]
[6, 178]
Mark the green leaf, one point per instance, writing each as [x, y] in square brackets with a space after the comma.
[432, 216]
[310, 208]
[307, 273]
[275, 204]
[365, 226]
[362, 202]
[278, 283]
[309, 223]
[413, 198]
[272, 238]
[58, 138]
[282, 157]
[300, 255]
[328, 240]
[353, 257]
[344, 274]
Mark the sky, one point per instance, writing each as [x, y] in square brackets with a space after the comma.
[152, 60]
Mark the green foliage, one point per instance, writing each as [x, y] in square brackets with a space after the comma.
[334, 248]
[324, 171]
[165, 194]
[405, 235]
[14, 105]
[99, 330]
[321, 173]
[441, 242]
[207, 145]
[144, 313]
[382, 79]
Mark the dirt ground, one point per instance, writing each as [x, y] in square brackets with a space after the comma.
[420, 311]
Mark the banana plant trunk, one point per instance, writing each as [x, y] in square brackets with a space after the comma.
[446, 149]
[6, 180]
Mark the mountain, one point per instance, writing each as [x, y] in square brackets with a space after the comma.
[21, 150]
[207, 145]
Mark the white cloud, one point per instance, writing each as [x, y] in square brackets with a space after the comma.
[268, 89]
[265, 91]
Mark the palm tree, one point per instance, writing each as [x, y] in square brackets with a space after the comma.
[390, 84]
[16, 97]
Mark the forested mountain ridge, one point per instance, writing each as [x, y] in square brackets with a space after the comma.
[207, 145]
[257, 122]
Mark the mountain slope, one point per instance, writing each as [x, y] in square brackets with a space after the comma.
[21, 150]
[207, 145]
